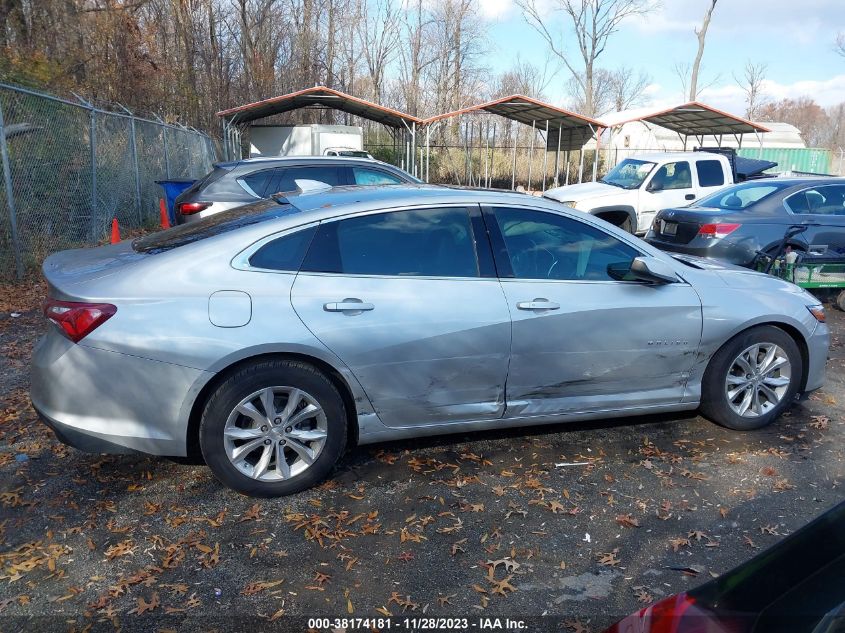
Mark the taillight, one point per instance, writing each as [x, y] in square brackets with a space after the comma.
[189, 208]
[77, 320]
[680, 614]
[717, 231]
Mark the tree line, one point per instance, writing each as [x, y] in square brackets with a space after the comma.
[191, 58]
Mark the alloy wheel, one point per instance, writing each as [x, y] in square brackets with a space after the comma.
[758, 379]
[275, 433]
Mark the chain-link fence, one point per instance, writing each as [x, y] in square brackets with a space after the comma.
[68, 168]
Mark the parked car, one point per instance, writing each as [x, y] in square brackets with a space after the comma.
[637, 188]
[736, 223]
[240, 182]
[297, 326]
[347, 151]
[793, 587]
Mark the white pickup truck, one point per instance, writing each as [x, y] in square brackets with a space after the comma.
[632, 193]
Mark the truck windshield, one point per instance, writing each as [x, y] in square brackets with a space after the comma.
[629, 174]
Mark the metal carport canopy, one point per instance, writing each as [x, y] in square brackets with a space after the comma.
[576, 129]
[320, 96]
[690, 119]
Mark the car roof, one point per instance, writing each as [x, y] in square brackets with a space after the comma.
[261, 160]
[340, 200]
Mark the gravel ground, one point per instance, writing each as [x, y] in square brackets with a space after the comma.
[582, 523]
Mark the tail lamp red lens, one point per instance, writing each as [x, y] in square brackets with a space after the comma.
[77, 320]
[717, 231]
[189, 208]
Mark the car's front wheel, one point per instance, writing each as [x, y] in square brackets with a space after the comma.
[752, 379]
[273, 428]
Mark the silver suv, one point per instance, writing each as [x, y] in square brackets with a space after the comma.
[240, 182]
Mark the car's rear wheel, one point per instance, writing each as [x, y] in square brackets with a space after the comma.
[273, 428]
[752, 379]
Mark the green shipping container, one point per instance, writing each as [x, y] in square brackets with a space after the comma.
[809, 160]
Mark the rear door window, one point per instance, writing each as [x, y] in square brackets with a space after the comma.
[710, 173]
[285, 178]
[824, 200]
[435, 242]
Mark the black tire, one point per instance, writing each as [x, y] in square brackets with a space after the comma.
[840, 300]
[714, 400]
[250, 379]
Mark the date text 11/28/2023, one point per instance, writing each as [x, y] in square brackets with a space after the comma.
[418, 624]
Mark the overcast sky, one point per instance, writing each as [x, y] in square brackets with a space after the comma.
[795, 38]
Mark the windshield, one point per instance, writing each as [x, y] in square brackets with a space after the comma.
[741, 196]
[629, 174]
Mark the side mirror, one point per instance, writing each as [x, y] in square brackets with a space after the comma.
[652, 270]
[653, 186]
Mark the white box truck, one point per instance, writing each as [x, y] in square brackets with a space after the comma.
[303, 140]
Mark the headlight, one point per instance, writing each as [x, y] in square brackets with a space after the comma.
[817, 311]
[568, 203]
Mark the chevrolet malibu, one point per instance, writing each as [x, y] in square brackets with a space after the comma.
[267, 339]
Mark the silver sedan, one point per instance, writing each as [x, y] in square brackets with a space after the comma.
[269, 338]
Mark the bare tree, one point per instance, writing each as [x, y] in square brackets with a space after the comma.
[592, 22]
[379, 35]
[627, 88]
[751, 82]
[526, 79]
[840, 43]
[701, 34]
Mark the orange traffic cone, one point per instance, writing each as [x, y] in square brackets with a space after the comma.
[165, 219]
[115, 231]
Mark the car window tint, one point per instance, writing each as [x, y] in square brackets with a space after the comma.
[673, 176]
[824, 200]
[257, 182]
[424, 242]
[710, 173]
[284, 253]
[365, 176]
[550, 246]
[286, 177]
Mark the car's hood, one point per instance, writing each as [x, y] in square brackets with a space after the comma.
[583, 191]
[744, 278]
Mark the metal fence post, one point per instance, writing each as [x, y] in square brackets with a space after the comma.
[134, 144]
[93, 137]
[10, 196]
[166, 153]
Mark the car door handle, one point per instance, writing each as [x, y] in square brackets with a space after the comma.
[689, 196]
[348, 305]
[538, 304]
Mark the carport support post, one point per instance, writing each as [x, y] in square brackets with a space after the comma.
[597, 133]
[557, 157]
[427, 152]
[513, 168]
[581, 165]
[545, 155]
[492, 157]
[531, 153]
[10, 197]
[487, 156]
